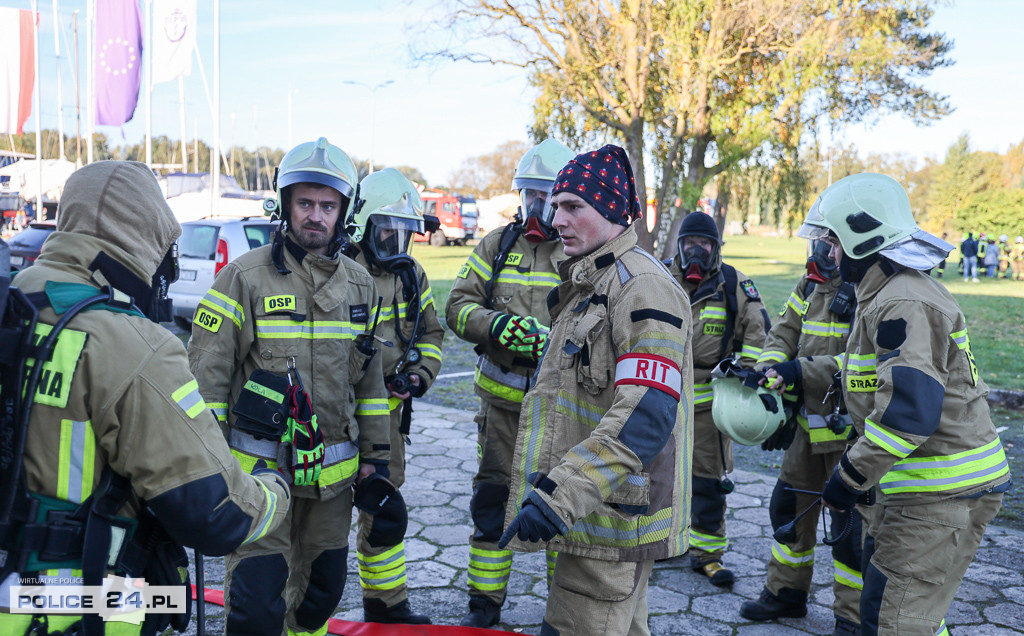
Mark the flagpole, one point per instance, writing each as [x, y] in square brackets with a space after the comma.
[215, 159]
[149, 82]
[39, 131]
[181, 120]
[78, 104]
[90, 78]
[60, 99]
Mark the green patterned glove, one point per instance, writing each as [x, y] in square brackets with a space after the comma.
[305, 437]
[531, 341]
[507, 329]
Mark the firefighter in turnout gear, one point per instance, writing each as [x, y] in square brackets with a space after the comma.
[500, 297]
[390, 212]
[927, 447]
[815, 322]
[122, 457]
[297, 314]
[602, 460]
[729, 321]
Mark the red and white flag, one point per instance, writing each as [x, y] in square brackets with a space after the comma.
[174, 37]
[17, 69]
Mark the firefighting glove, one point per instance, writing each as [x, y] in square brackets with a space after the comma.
[782, 438]
[305, 437]
[837, 494]
[507, 329]
[531, 524]
[531, 343]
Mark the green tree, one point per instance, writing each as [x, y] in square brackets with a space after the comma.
[962, 175]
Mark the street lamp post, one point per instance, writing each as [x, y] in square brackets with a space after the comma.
[373, 111]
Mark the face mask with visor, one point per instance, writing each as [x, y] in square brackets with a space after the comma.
[696, 260]
[535, 207]
[388, 238]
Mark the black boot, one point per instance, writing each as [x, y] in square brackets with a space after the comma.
[845, 627]
[483, 612]
[789, 603]
[375, 611]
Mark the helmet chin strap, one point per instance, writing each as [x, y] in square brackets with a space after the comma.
[535, 232]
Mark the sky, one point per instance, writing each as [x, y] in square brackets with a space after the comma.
[435, 116]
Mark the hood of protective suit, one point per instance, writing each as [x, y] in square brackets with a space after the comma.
[120, 204]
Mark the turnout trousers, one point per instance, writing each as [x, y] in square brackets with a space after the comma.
[792, 564]
[291, 581]
[589, 597]
[382, 568]
[915, 558]
[712, 459]
[489, 566]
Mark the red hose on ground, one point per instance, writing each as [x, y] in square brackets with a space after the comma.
[339, 627]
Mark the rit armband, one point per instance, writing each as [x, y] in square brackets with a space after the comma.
[649, 370]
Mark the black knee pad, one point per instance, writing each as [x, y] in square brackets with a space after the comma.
[849, 551]
[487, 508]
[708, 504]
[256, 603]
[389, 525]
[324, 590]
[782, 507]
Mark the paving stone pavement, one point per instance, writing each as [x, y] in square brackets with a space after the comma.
[441, 463]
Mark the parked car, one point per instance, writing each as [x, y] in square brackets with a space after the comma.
[26, 244]
[206, 246]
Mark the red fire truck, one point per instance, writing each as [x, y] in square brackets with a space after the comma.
[458, 217]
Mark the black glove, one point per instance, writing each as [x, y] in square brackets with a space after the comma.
[782, 438]
[789, 371]
[531, 524]
[838, 495]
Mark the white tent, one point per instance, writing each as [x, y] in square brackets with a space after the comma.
[24, 176]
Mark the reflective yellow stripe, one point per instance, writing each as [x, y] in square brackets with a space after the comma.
[797, 304]
[826, 329]
[76, 461]
[847, 576]
[532, 279]
[712, 313]
[496, 388]
[784, 555]
[707, 542]
[263, 525]
[702, 393]
[57, 623]
[372, 406]
[188, 398]
[489, 569]
[942, 631]
[818, 430]
[394, 403]
[892, 443]
[478, 265]
[319, 632]
[426, 298]
[950, 472]
[338, 472]
[248, 462]
[749, 351]
[384, 571]
[224, 306]
[771, 357]
[861, 363]
[220, 410]
[429, 351]
[308, 329]
[460, 322]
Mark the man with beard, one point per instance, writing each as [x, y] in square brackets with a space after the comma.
[287, 325]
[729, 321]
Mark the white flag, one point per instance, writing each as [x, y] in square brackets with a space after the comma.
[174, 36]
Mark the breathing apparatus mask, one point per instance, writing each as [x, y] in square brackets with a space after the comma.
[535, 209]
[697, 261]
[388, 238]
[152, 299]
[820, 266]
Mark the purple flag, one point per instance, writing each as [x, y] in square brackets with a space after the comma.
[118, 60]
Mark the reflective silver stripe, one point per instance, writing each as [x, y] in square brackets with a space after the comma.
[653, 342]
[637, 480]
[337, 453]
[631, 534]
[77, 459]
[624, 274]
[540, 279]
[265, 448]
[495, 373]
[578, 410]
